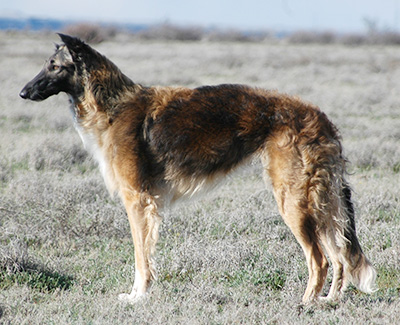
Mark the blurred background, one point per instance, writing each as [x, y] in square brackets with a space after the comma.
[357, 21]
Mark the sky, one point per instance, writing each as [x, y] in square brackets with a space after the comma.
[288, 15]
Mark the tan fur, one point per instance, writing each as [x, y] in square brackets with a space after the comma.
[291, 168]
[158, 145]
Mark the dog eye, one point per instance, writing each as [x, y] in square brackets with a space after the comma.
[55, 67]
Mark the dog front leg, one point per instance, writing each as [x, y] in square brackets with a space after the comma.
[144, 222]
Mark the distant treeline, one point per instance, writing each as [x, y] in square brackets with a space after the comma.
[96, 33]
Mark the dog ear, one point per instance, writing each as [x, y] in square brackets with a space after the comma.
[76, 47]
[70, 41]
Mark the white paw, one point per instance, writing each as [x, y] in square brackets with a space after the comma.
[131, 298]
[328, 299]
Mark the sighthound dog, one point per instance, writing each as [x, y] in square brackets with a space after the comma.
[158, 145]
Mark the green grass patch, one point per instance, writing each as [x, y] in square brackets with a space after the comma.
[396, 168]
[19, 165]
[274, 280]
[182, 276]
[41, 280]
[388, 279]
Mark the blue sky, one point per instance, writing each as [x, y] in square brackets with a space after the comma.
[336, 15]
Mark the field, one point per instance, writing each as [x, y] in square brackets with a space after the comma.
[65, 245]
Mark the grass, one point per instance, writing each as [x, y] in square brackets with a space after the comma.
[65, 246]
[38, 280]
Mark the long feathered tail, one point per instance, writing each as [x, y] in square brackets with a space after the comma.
[329, 202]
[356, 266]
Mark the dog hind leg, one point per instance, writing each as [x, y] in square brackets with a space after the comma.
[339, 279]
[289, 191]
[304, 230]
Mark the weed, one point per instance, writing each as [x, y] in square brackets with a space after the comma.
[262, 278]
[396, 168]
[18, 268]
[389, 279]
[41, 280]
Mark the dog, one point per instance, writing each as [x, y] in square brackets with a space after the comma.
[159, 145]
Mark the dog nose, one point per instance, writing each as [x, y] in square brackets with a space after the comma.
[23, 94]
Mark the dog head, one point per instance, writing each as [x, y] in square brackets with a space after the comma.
[60, 72]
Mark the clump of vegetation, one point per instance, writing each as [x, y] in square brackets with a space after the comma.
[13, 255]
[307, 37]
[18, 268]
[171, 32]
[91, 33]
[375, 38]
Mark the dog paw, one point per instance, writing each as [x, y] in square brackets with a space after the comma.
[328, 300]
[130, 298]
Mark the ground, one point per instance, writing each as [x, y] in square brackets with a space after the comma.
[65, 246]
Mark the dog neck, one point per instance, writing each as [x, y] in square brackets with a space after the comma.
[104, 89]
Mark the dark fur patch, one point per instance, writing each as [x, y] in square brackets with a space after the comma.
[155, 145]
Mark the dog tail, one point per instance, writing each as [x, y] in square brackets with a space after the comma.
[356, 266]
[329, 199]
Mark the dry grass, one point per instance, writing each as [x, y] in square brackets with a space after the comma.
[65, 247]
[91, 33]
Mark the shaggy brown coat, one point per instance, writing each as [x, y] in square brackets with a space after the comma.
[159, 145]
